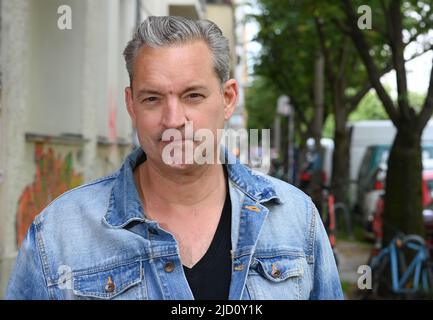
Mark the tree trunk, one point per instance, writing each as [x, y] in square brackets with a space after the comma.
[403, 198]
[340, 162]
[301, 159]
[319, 85]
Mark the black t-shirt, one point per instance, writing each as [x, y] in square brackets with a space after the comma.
[209, 279]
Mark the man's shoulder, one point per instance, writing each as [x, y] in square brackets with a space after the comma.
[293, 209]
[87, 198]
[284, 190]
[291, 221]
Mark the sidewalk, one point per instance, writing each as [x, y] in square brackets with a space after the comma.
[351, 255]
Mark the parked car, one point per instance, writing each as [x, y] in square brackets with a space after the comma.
[375, 157]
[372, 175]
[428, 223]
[427, 186]
[377, 234]
[427, 164]
[374, 227]
[373, 133]
[374, 189]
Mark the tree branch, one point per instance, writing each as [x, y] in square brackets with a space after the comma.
[417, 55]
[427, 109]
[343, 28]
[363, 49]
[344, 58]
[328, 64]
[412, 38]
[354, 100]
[397, 47]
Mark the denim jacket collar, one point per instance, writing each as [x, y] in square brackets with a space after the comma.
[125, 204]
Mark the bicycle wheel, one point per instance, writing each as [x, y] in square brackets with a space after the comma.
[415, 253]
[427, 281]
[381, 277]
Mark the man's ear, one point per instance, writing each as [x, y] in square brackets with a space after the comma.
[230, 91]
[130, 105]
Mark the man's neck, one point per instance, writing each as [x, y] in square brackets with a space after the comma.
[180, 189]
[186, 203]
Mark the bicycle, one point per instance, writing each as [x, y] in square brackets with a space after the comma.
[324, 201]
[327, 209]
[393, 275]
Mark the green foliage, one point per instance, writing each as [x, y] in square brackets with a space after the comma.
[416, 100]
[288, 34]
[329, 127]
[288, 52]
[370, 108]
[260, 103]
[290, 42]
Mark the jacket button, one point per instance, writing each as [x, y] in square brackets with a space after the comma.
[252, 208]
[239, 267]
[169, 267]
[275, 272]
[109, 287]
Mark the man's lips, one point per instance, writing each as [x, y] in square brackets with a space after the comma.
[176, 140]
[173, 139]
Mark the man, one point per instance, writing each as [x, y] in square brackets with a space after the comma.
[159, 229]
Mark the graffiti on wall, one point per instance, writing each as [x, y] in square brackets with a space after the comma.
[54, 176]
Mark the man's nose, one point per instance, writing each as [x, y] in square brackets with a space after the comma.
[173, 114]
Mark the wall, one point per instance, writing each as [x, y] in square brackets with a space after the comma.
[15, 84]
[223, 16]
[63, 120]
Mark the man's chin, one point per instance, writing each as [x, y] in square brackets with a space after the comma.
[176, 154]
[180, 166]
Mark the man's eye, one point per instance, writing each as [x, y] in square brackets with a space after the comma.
[150, 99]
[195, 96]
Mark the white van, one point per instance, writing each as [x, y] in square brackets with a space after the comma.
[373, 132]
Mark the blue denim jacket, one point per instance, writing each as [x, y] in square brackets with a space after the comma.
[94, 242]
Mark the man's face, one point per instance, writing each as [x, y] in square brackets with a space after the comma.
[173, 85]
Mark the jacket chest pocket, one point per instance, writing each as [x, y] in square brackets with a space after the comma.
[117, 282]
[277, 278]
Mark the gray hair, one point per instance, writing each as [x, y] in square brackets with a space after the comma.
[170, 30]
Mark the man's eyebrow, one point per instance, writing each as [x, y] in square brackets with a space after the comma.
[156, 92]
[194, 88]
[147, 91]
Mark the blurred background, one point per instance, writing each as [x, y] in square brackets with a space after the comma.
[345, 86]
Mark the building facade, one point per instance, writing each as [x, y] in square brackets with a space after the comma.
[63, 120]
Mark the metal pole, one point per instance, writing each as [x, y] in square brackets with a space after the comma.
[291, 142]
[277, 134]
